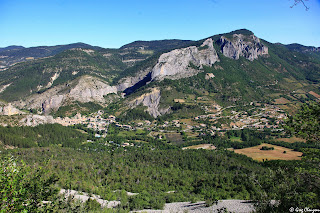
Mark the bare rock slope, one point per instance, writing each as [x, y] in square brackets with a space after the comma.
[84, 89]
[176, 63]
[241, 45]
[151, 100]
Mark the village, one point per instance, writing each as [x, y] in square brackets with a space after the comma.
[223, 119]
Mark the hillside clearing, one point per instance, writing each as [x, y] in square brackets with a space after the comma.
[276, 154]
[281, 101]
[201, 146]
[174, 138]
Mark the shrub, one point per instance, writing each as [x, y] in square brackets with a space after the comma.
[267, 148]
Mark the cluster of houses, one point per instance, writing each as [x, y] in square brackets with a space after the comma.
[266, 117]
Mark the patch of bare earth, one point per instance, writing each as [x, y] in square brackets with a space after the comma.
[201, 146]
[281, 101]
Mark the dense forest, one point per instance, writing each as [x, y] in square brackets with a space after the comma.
[192, 175]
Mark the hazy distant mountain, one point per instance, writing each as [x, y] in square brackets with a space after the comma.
[13, 47]
[301, 48]
[159, 45]
[13, 54]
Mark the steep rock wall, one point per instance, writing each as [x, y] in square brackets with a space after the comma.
[151, 101]
[249, 47]
[176, 63]
[84, 89]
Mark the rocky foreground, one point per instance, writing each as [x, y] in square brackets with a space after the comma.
[237, 206]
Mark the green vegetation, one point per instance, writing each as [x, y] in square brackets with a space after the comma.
[138, 113]
[152, 173]
[77, 107]
[69, 65]
[158, 46]
[152, 167]
[24, 188]
[41, 135]
[306, 123]
[267, 148]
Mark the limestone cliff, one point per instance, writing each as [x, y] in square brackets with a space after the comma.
[83, 89]
[91, 89]
[249, 47]
[176, 63]
[151, 100]
[130, 81]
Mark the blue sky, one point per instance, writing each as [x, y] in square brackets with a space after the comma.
[113, 23]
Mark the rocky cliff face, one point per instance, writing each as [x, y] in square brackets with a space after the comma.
[151, 101]
[84, 89]
[249, 47]
[132, 80]
[91, 89]
[176, 64]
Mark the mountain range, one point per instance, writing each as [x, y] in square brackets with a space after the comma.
[166, 77]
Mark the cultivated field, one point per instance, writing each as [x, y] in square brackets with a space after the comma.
[276, 154]
[174, 138]
[281, 101]
[314, 94]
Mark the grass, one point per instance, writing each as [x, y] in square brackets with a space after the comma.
[280, 101]
[131, 133]
[289, 80]
[188, 121]
[126, 134]
[276, 154]
[145, 52]
[291, 140]
[174, 138]
[236, 139]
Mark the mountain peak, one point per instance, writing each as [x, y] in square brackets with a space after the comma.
[241, 31]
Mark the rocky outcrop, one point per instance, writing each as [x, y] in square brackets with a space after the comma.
[53, 103]
[132, 80]
[91, 89]
[209, 76]
[151, 101]
[34, 120]
[4, 87]
[83, 89]
[9, 110]
[176, 63]
[249, 47]
[83, 197]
